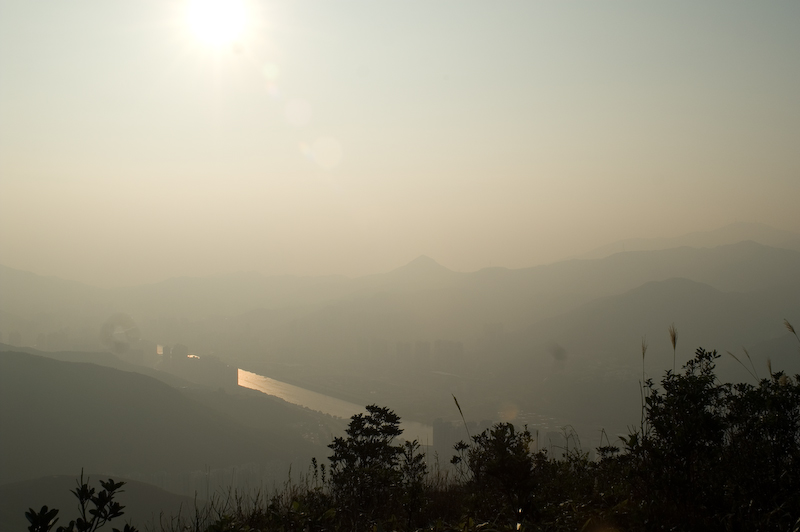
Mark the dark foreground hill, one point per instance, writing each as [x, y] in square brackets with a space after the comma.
[108, 360]
[59, 417]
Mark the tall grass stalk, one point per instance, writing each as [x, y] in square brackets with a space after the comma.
[751, 363]
[462, 418]
[791, 330]
[742, 364]
[642, 384]
[673, 336]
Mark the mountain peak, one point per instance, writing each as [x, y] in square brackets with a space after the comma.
[423, 261]
[422, 268]
[423, 265]
[422, 273]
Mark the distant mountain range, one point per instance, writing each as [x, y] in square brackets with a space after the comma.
[23, 294]
[525, 336]
[729, 234]
[30, 303]
[599, 360]
[704, 316]
[520, 298]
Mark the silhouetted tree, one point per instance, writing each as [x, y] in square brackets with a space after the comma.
[368, 472]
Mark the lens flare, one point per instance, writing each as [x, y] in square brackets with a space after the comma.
[273, 90]
[508, 412]
[298, 112]
[217, 23]
[327, 152]
[307, 152]
[271, 71]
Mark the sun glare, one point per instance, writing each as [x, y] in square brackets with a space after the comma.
[217, 23]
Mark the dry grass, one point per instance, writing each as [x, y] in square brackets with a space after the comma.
[751, 372]
[673, 337]
[642, 384]
[791, 330]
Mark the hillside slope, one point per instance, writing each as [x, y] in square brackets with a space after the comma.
[59, 417]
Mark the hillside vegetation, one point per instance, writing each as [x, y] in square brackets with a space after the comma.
[706, 455]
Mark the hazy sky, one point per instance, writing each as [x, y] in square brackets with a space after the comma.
[351, 136]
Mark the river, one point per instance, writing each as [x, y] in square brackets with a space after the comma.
[325, 403]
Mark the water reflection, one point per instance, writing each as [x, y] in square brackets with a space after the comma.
[325, 403]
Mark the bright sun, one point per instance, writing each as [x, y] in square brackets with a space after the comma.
[217, 23]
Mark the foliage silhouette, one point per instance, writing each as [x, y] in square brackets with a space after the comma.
[370, 475]
[502, 470]
[716, 455]
[96, 510]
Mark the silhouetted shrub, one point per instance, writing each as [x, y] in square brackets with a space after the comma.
[96, 509]
[718, 456]
[502, 472]
[371, 478]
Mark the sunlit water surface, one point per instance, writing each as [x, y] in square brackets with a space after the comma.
[325, 404]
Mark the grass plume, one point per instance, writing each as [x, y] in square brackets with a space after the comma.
[673, 337]
[644, 351]
[791, 330]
